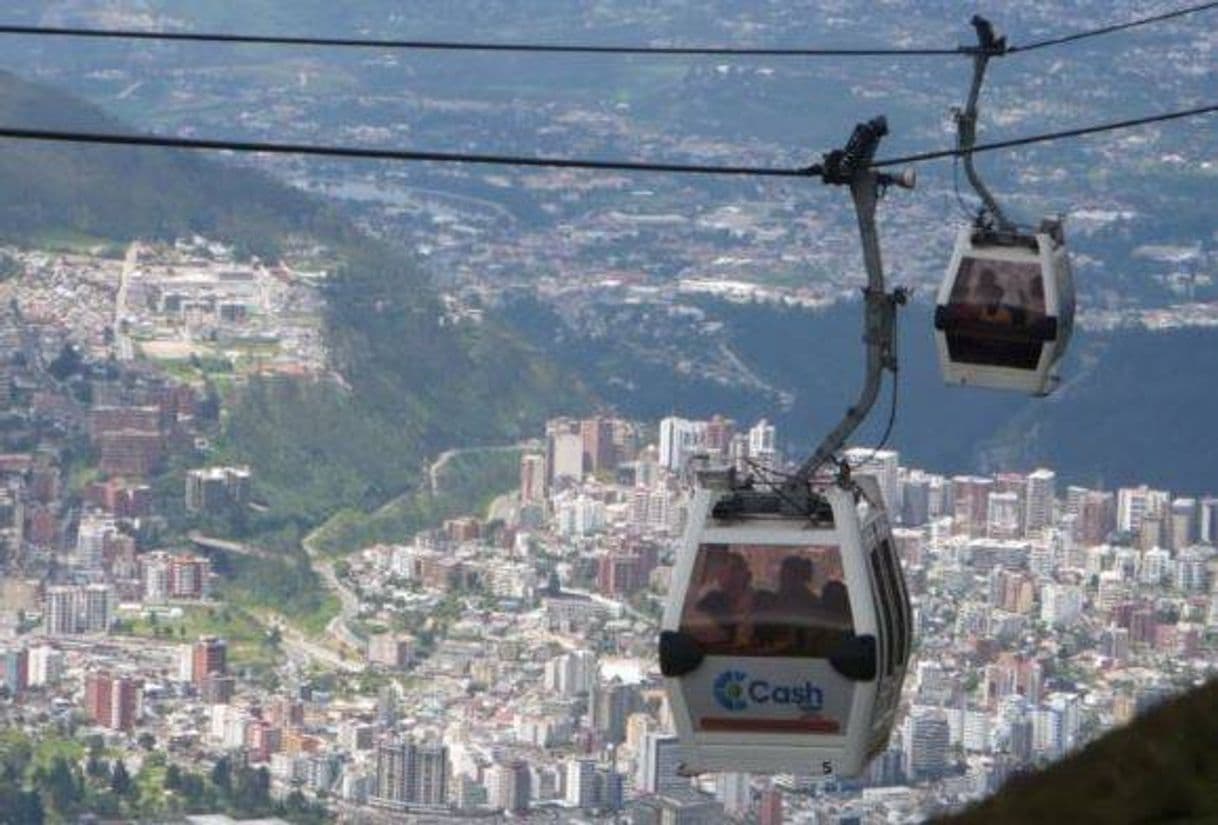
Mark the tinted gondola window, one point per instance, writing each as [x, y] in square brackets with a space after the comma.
[996, 314]
[768, 600]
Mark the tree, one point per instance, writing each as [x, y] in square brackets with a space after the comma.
[67, 363]
[222, 775]
[61, 785]
[173, 778]
[147, 741]
[96, 767]
[120, 780]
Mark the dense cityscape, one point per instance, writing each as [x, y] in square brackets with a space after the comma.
[505, 661]
[336, 489]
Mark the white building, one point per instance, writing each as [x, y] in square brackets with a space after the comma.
[884, 467]
[46, 665]
[1137, 503]
[679, 439]
[568, 457]
[571, 674]
[1061, 605]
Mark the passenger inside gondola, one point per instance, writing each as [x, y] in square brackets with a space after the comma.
[995, 314]
[799, 607]
[725, 605]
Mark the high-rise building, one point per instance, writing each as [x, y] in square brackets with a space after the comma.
[532, 478]
[15, 670]
[91, 538]
[410, 775]
[732, 790]
[611, 704]
[884, 467]
[209, 657]
[769, 808]
[679, 439]
[1097, 517]
[763, 445]
[60, 611]
[582, 790]
[1004, 516]
[1061, 605]
[112, 701]
[690, 808]
[1182, 530]
[46, 665]
[598, 450]
[1038, 500]
[1136, 503]
[915, 499]
[658, 765]
[1207, 532]
[927, 739]
[97, 608]
[718, 437]
[571, 674]
[970, 502]
[156, 571]
[509, 787]
[211, 489]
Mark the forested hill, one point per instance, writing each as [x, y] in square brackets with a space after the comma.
[417, 382]
[116, 193]
[1161, 768]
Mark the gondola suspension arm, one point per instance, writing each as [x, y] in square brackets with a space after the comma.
[852, 167]
[988, 45]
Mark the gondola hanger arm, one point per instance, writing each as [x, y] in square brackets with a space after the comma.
[989, 45]
[852, 167]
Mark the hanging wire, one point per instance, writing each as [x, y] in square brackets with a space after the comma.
[564, 48]
[1116, 27]
[888, 429]
[354, 152]
[366, 153]
[1048, 137]
[451, 45]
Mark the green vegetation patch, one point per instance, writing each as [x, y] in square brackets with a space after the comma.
[250, 643]
[285, 586]
[467, 484]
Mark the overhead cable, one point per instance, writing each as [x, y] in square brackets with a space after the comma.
[463, 46]
[369, 153]
[564, 48]
[1117, 27]
[1048, 137]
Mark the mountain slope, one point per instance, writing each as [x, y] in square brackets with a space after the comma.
[123, 193]
[410, 382]
[1161, 768]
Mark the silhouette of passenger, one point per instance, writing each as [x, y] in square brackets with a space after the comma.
[834, 624]
[835, 605]
[991, 296]
[784, 615]
[727, 608]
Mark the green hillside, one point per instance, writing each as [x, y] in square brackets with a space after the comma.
[408, 382]
[1161, 768]
[120, 193]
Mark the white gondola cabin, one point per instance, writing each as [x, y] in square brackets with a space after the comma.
[786, 636]
[1005, 310]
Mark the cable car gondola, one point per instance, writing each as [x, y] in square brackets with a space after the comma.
[788, 631]
[1005, 311]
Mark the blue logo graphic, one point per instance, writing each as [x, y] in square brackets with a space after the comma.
[735, 690]
[729, 689]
